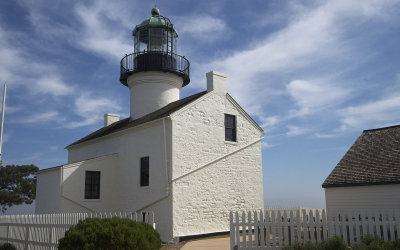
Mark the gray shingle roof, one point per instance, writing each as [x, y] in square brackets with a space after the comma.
[373, 159]
[127, 123]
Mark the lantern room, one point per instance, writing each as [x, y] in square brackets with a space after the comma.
[155, 49]
[155, 34]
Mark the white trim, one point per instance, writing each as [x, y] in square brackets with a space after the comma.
[189, 105]
[243, 112]
[75, 164]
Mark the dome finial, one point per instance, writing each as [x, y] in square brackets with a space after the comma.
[155, 11]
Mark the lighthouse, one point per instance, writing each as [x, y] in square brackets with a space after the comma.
[155, 72]
[190, 160]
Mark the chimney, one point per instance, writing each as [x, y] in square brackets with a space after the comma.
[216, 82]
[110, 119]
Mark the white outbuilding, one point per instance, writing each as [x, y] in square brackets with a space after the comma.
[191, 161]
[368, 175]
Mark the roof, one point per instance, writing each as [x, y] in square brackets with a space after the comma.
[374, 159]
[128, 123]
[49, 169]
[156, 21]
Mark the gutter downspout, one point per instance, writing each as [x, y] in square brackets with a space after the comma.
[199, 168]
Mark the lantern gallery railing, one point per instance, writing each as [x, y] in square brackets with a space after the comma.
[152, 60]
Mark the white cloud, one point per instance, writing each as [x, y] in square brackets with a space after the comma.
[270, 121]
[97, 35]
[296, 130]
[313, 38]
[91, 110]
[265, 145]
[370, 115]
[52, 85]
[42, 117]
[313, 96]
[203, 27]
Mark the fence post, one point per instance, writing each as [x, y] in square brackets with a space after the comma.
[298, 222]
[384, 225]
[264, 225]
[244, 229]
[377, 224]
[154, 223]
[326, 228]
[237, 229]
[357, 222]
[232, 230]
[256, 230]
[51, 236]
[391, 224]
[250, 228]
[279, 228]
[286, 228]
[292, 236]
[26, 237]
[273, 229]
[8, 232]
[311, 225]
[318, 226]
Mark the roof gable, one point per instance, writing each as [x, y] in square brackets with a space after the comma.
[127, 123]
[233, 102]
[373, 159]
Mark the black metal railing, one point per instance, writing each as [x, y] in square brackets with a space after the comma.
[154, 61]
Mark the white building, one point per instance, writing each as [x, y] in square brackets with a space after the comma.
[368, 175]
[190, 160]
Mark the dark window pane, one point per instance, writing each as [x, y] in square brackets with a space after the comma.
[230, 127]
[144, 171]
[92, 184]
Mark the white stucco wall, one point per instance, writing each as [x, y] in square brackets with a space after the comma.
[362, 197]
[73, 186]
[193, 136]
[48, 191]
[152, 90]
[202, 200]
[131, 145]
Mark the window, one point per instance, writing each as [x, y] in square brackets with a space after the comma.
[144, 171]
[230, 127]
[92, 185]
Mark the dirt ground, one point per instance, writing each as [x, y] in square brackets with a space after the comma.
[175, 246]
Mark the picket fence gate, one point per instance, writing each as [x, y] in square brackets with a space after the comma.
[43, 231]
[276, 229]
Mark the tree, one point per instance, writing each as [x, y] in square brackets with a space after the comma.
[17, 185]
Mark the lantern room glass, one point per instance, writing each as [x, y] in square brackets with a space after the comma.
[156, 40]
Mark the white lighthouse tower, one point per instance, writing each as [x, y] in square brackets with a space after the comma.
[154, 73]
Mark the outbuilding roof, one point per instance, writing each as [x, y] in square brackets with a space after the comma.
[128, 123]
[374, 159]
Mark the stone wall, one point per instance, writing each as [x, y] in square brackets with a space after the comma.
[203, 199]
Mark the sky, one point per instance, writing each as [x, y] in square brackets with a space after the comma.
[314, 75]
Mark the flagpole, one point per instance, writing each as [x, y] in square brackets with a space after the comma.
[2, 123]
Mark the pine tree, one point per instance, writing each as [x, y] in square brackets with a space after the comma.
[17, 185]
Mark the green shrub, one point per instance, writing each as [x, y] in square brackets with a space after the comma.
[375, 243]
[334, 243]
[110, 234]
[7, 246]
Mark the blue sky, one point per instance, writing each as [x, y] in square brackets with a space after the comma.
[313, 74]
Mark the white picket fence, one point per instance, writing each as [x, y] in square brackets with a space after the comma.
[43, 231]
[275, 229]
